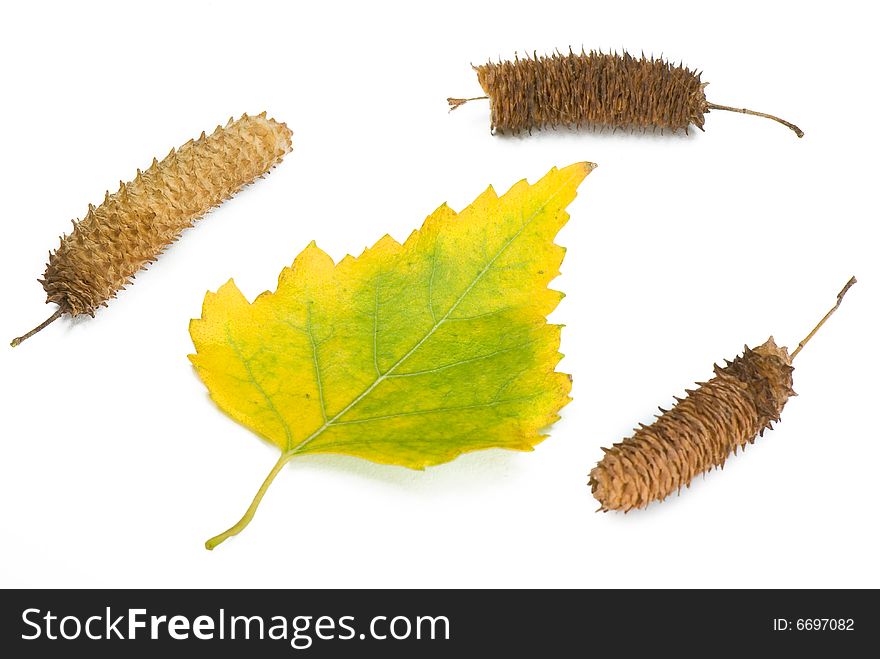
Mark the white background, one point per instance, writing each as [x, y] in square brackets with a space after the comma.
[114, 464]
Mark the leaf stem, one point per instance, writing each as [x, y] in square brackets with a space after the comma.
[240, 525]
[852, 280]
[727, 108]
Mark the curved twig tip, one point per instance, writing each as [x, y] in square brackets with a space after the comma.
[727, 108]
[849, 284]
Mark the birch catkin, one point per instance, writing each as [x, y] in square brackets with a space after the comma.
[135, 224]
[699, 433]
[595, 89]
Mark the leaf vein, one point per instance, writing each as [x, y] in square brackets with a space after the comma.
[481, 315]
[461, 362]
[436, 410]
[315, 361]
[375, 331]
[431, 285]
[253, 380]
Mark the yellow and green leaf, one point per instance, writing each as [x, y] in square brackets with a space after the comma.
[409, 354]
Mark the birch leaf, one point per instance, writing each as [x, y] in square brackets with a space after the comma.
[409, 354]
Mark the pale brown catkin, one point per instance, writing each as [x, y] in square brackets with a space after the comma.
[597, 90]
[134, 225]
[719, 417]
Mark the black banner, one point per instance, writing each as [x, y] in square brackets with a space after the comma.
[319, 623]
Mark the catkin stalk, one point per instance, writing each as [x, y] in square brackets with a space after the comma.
[134, 225]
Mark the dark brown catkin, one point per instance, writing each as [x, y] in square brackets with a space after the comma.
[722, 415]
[598, 90]
[134, 225]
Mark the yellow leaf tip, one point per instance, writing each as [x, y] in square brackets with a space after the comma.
[387, 242]
[311, 253]
[579, 169]
[229, 284]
